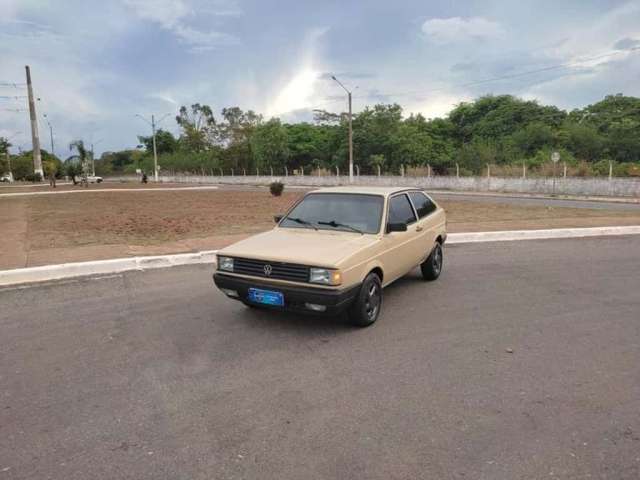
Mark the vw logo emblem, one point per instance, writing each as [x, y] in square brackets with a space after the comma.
[267, 270]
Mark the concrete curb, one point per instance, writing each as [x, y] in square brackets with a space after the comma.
[119, 265]
[101, 267]
[513, 235]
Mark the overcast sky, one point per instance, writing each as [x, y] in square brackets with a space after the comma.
[97, 64]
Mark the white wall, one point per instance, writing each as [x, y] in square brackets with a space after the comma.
[624, 187]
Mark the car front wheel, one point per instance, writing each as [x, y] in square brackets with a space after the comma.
[367, 305]
[432, 266]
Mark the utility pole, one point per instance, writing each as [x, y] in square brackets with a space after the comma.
[555, 158]
[153, 132]
[35, 140]
[50, 133]
[350, 129]
[9, 165]
[155, 150]
[93, 158]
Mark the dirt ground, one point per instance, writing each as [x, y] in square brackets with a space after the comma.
[47, 229]
[25, 187]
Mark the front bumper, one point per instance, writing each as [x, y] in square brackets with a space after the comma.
[295, 298]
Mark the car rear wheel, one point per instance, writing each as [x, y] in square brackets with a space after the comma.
[368, 303]
[432, 266]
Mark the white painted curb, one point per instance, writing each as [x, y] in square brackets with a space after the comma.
[101, 267]
[119, 265]
[512, 235]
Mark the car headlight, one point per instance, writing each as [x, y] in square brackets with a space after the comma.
[225, 263]
[325, 276]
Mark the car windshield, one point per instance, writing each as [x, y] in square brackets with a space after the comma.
[350, 212]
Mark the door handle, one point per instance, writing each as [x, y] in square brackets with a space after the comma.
[419, 228]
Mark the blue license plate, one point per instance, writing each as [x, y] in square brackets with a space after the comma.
[266, 297]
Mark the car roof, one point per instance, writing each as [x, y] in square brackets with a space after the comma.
[365, 190]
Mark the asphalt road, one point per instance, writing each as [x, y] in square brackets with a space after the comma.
[156, 375]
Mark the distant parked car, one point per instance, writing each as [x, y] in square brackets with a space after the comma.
[5, 179]
[94, 179]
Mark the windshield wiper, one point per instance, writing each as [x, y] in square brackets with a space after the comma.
[335, 224]
[302, 221]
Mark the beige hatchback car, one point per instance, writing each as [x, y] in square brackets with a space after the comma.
[335, 250]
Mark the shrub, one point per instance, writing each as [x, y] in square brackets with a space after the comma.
[276, 188]
[33, 177]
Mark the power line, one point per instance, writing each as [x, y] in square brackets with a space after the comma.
[546, 69]
[517, 75]
[13, 84]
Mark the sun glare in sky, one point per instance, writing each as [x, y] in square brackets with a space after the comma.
[296, 94]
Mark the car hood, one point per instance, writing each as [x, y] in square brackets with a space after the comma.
[321, 248]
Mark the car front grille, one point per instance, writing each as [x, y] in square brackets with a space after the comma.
[276, 270]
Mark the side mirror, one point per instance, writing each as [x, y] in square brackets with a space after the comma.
[396, 227]
[277, 218]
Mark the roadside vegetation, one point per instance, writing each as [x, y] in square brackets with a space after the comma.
[502, 131]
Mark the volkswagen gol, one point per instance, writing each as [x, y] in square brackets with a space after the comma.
[335, 250]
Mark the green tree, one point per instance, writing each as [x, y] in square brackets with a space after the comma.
[412, 146]
[496, 117]
[269, 145]
[307, 142]
[4, 145]
[72, 169]
[234, 132]
[82, 159]
[375, 132]
[584, 141]
[531, 138]
[198, 127]
[623, 142]
[4, 149]
[476, 154]
[165, 142]
[377, 161]
[22, 165]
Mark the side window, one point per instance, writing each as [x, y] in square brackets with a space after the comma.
[424, 206]
[400, 210]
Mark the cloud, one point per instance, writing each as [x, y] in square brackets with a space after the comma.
[165, 97]
[456, 29]
[436, 104]
[352, 75]
[627, 44]
[176, 15]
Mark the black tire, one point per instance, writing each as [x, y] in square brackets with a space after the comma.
[432, 266]
[366, 307]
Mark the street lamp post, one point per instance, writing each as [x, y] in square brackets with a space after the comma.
[50, 134]
[350, 128]
[153, 133]
[93, 158]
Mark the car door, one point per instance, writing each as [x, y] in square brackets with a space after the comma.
[402, 249]
[427, 226]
